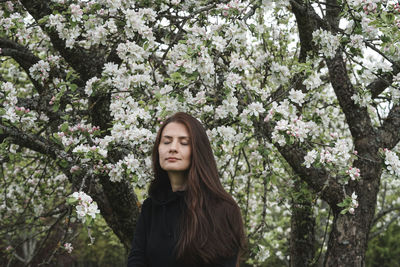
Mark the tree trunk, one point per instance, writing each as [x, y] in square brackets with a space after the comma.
[348, 238]
[302, 235]
[348, 241]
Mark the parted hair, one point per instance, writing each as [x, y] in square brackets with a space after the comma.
[211, 224]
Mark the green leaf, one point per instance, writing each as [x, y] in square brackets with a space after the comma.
[89, 220]
[56, 107]
[64, 127]
[176, 77]
[63, 163]
[386, 39]
[344, 211]
[387, 17]
[73, 87]
[43, 20]
[72, 200]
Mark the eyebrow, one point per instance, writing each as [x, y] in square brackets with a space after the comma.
[179, 137]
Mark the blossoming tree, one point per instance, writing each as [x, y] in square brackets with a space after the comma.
[300, 99]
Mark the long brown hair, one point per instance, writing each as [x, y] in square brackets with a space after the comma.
[212, 226]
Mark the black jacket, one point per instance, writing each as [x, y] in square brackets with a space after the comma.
[157, 232]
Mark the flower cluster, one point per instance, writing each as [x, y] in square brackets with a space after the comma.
[354, 203]
[369, 28]
[329, 42]
[229, 106]
[370, 6]
[357, 41]
[71, 135]
[40, 71]
[76, 12]
[349, 204]
[22, 109]
[294, 127]
[68, 247]
[228, 7]
[392, 162]
[338, 156]
[12, 112]
[86, 208]
[396, 7]
[362, 100]
[296, 96]
[313, 81]
[130, 166]
[310, 158]
[84, 148]
[354, 173]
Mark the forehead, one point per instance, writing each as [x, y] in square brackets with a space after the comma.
[175, 129]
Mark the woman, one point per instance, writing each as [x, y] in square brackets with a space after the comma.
[189, 219]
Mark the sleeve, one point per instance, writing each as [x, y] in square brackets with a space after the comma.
[137, 255]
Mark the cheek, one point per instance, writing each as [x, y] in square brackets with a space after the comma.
[188, 154]
[160, 151]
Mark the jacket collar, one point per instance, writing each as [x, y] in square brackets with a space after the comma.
[166, 195]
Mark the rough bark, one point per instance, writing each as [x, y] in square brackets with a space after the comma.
[348, 238]
[302, 231]
[389, 134]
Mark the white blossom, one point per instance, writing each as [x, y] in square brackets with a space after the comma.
[255, 108]
[329, 42]
[313, 81]
[40, 70]
[362, 100]
[392, 162]
[310, 158]
[297, 96]
[76, 12]
[68, 247]
[85, 206]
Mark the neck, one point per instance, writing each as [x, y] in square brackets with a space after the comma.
[177, 181]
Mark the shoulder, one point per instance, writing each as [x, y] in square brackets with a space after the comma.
[147, 203]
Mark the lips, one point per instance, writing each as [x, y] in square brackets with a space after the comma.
[172, 159]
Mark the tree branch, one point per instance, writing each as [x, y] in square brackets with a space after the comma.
[33, 142]
[357, 117]
[384, 228]
[22, 56]
[308, 11]
[383, 213]
[380, 84]
[317, 178]
[389, 133]
[307, 21]
[333, 13]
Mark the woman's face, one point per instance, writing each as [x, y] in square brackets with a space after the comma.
[174, 149]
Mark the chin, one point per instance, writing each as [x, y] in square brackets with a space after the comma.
[175, 169]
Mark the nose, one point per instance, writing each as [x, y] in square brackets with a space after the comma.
[173, 146]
